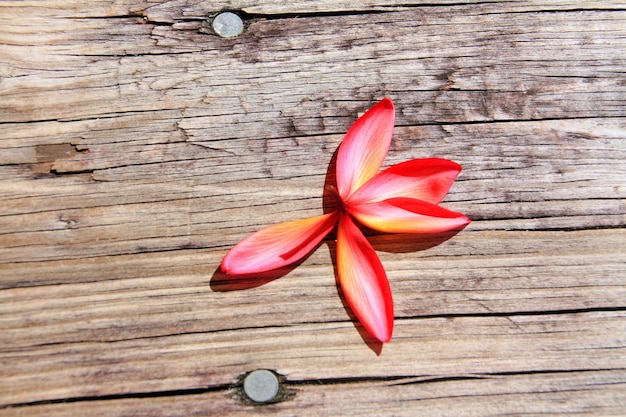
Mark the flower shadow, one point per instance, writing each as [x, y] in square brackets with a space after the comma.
[329, 196]
[392, 243]
[384, 242]
[223, 282]
[409, 242]
[374, 344]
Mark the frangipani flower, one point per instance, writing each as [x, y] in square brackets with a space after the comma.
[400, 199]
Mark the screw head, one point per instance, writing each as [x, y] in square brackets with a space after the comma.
[227, 25]
[261, 386]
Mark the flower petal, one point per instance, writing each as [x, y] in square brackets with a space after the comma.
[424, 179]
[278, 245]
[363, 280]
[364, 147]
[407, 215]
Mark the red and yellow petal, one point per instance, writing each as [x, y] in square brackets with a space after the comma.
[363, 280]
[407, 215]
[364, 147]
[278, 245]
[423, 179]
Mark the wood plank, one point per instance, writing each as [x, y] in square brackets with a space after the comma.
[439, 347]
[470, 395]
[354, 61]
[137, 147]
[147, 295]
[572, 171]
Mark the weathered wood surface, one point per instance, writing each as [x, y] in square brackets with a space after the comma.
[136, 147]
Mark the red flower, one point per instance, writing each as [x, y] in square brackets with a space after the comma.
[401, 199]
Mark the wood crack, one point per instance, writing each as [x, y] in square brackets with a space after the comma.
[517, 313]
[113, 397]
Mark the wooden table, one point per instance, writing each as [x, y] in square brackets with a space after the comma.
[137, 147]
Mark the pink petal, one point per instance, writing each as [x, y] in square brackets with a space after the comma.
[278, 245]
[423, 179]
[364, 147]
[363, 280]
[407, 215]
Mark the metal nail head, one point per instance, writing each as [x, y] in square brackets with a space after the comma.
[261, 386]
[227, 25]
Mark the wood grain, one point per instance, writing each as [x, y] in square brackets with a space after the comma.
[519, 395]
[136, 147]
